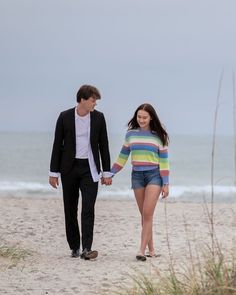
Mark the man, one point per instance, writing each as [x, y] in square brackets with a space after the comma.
[79, 144]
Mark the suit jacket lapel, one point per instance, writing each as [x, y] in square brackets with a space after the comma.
[92, 125]
[72, 123]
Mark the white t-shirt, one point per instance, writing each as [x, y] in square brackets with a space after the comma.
[82, 136]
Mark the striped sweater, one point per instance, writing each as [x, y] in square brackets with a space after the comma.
[147, 152]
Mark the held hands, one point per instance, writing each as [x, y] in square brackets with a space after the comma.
[106, 180]
[54, 182]
[165, 191]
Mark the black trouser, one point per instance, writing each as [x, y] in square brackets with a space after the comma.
[79, 178]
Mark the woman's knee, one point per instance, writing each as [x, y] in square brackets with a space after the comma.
[147, 216]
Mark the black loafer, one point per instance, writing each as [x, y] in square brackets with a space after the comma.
[153, 256]
[87, 255]
[141, 257]
[75, 253]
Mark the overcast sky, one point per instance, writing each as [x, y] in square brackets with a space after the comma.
[169, 53]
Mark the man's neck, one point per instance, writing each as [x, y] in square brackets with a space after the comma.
[81, 111]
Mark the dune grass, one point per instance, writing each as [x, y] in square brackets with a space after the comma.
[13, 254]
[211, 273]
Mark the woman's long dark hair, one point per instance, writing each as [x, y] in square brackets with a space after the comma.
[155, 123]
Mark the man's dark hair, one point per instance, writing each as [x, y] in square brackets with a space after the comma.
[86, 91]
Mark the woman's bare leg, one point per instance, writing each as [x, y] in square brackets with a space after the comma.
[151, 195]
[139, 195]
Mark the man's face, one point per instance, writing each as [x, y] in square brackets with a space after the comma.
[89, 104]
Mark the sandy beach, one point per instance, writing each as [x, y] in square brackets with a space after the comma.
[37, 225]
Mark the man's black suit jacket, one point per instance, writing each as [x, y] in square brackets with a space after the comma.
[64, 146]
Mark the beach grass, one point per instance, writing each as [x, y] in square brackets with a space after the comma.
[11, 255]
[213, 274]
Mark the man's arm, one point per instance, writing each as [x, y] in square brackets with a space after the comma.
[56, 154]
[57, 146]
[104, 147]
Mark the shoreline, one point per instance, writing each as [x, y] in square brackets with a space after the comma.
[37, 225]
[116, 197]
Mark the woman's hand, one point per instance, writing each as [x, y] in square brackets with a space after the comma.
[165, 191]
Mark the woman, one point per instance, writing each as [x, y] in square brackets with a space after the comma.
[147, 141]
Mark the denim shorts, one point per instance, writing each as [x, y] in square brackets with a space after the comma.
[141, 179]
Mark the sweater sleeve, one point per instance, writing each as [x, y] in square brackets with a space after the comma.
[164, 164]
[122, 158]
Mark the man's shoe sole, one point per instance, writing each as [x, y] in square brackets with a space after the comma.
[74, 256]
[89, 255]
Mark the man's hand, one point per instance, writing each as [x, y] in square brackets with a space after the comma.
[165, 191]
[106, 180]
[53, 181]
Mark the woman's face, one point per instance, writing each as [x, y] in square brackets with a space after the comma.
[143, 119]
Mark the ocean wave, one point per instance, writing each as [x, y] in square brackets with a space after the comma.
[21, 186]
[176, 192]
[183, 192]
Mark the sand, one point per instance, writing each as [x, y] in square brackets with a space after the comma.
[36, 225]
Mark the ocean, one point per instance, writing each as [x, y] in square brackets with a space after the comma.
[25, 157]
